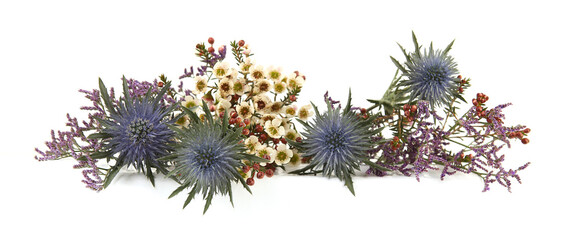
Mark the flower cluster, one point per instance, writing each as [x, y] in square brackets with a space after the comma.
[238, 121]
[260, 100]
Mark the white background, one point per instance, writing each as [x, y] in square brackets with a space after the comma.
[49, 49]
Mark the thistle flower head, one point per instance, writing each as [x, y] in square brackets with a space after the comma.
[207, 157]
[430, 75]
[337, 142]
[136, 131]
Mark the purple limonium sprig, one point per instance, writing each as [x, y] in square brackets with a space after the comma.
[74, 142]
[422, 143]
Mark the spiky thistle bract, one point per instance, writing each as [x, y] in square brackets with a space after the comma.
[430, 75]
[207, 157]
[337, 142]
[136, 132]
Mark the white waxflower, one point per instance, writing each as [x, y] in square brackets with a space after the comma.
[296, 158]
[274, 108]
[244, 110]
[183, 121]
[280, 87]
[257, 72]
[245, 66]
[224, 105]
[220, 69]
[274, 73]
[261, 102]
[266, 117]
[289, 111]
[285, 123]
[262, 86]
[190, 102]
[305, 112]
[251, 143]
[295, 81]
[265, 152]
[226, 87]
[232, 74]
[200, 85]
[291, 134]
[240, 86]
[273, 128]
[283, 154]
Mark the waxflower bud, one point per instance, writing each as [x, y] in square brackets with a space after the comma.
[250, 181]
[241, 43]
[211, 41]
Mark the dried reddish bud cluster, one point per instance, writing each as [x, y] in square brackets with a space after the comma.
[479, 103]
[520, 135]
[258, 172]
[395, 143]
[410, 112]
[462, 83]
[465, 158]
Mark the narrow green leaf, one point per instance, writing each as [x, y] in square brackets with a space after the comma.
[98, 135]
[105, 97]
[416, 46]
[349, 103]
[348, 182]
[126, 89]
[449, 47]
[190, 197]
[208, 202]
[178, 190]
[111, 174]
[254, 158]
[399, 66]
[99, 155]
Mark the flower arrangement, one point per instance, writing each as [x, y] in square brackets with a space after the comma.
[240, 122]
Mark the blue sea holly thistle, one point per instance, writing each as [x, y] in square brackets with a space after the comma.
[429, 75]
[208, 156]
[336, 142]
[136, 132]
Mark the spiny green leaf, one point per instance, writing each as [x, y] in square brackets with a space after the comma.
[98, 135]
[105, 97]
[208, 202]
[178, 190]
[399, 66]
[111, 174]
[191, 196]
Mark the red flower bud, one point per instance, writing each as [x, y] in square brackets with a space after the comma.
[525, 140]
[245, 132]
[245, 169]
[527, 130]
[275, 140]
[259, 128]
[298, 139]
[211, 40]
[260, 175]
[160, 84]
[292, 98]
[283, 141]
[269, 173]
[256, 166]
[211, 49]
[250, 181]
[241, 43]
[247, 121]
[413, 108]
